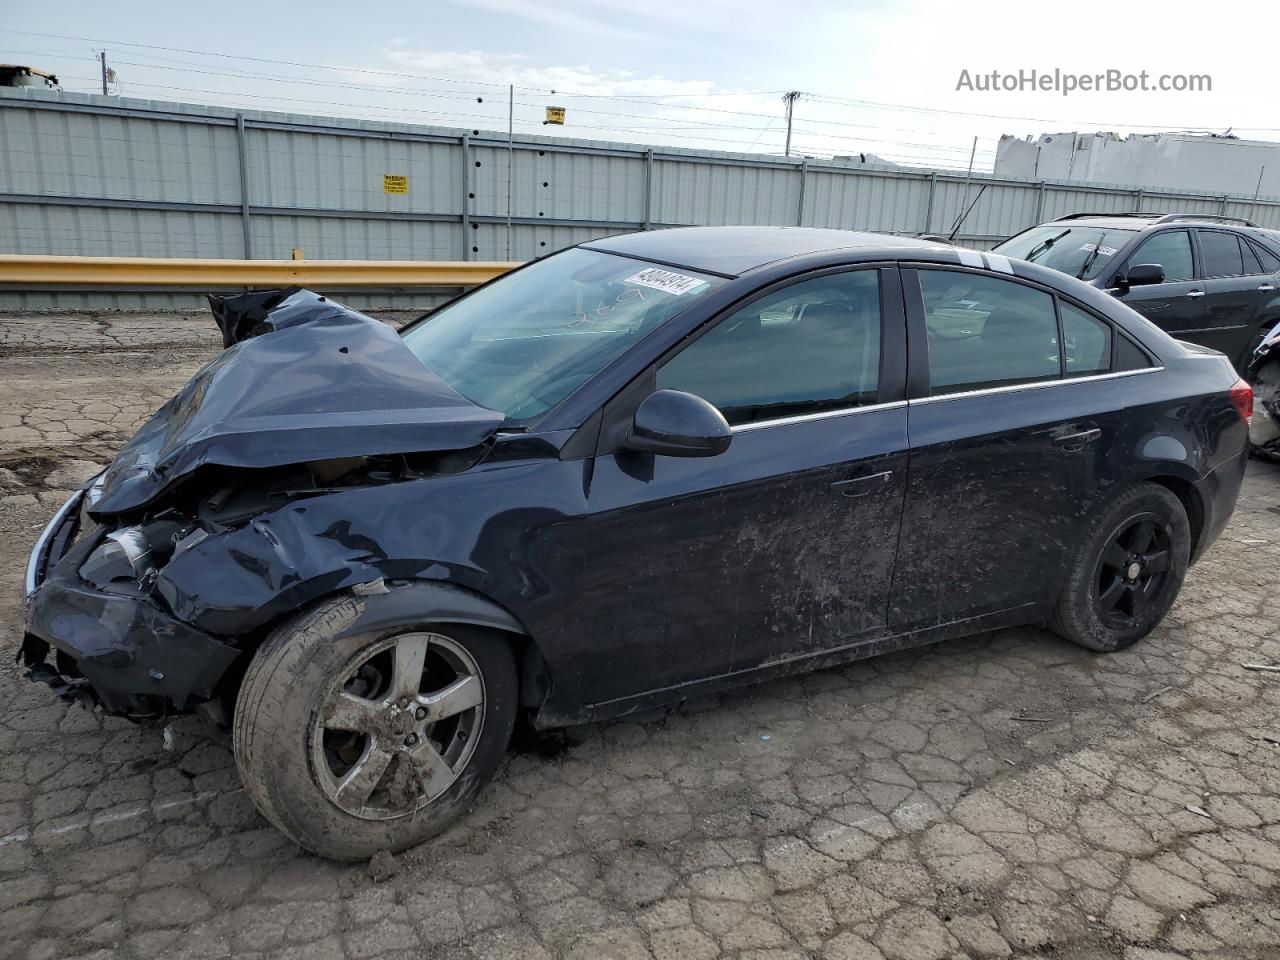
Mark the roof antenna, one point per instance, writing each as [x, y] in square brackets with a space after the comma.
[968, 178]
[964, 216]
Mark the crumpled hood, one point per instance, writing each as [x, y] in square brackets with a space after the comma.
[314, 380]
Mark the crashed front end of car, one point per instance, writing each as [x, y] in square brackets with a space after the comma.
[96, 633]
[1263, 374]
[143, 592]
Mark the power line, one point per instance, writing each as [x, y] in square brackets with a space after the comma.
[323, 66]
[468, 96]
[926, 161]
[562, 93]
[823, 98]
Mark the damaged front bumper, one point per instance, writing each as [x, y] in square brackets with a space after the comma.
[117, 651]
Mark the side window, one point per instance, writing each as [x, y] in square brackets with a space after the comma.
[1086, 342]
[1251, 264]
[809, 347]
[1270, 262]
[1172, 250]
[1129, 356]
[1220, 253]
[986, 332]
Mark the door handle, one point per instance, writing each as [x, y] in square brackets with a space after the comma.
[1195, 294]
[1076, 441]
[1266, 286]
[861, 486]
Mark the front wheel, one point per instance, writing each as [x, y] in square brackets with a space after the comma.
[376, 741]
[1127, 570]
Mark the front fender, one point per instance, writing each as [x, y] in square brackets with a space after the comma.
[233, 583]
[491, 530]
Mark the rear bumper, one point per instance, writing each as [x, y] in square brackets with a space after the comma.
[121, 652]
[1219, 489]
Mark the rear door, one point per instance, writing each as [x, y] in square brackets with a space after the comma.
[1009, 433]
[1176, 306]
[782, 546]
[1237, 289]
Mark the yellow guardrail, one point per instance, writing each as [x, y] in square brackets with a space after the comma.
[166, 272]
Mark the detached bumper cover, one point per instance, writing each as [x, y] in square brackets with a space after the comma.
[118, 651]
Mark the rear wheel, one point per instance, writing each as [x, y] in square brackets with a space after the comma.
[351, 745]
[1127, 571]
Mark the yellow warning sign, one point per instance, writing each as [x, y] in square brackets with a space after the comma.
[555, 115]
[394, 183]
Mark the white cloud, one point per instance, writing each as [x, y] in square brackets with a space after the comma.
[558, 15]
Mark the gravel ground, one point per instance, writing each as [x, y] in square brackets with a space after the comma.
[895, 808]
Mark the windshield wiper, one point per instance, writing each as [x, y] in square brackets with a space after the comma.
[1041, 247]
[1088, 261]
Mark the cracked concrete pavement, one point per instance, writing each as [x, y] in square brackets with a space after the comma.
[897, 808]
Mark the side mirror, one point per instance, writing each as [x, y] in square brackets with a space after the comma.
[1144, 275]
[678, 424]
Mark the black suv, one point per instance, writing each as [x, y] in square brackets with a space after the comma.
[1206, 279]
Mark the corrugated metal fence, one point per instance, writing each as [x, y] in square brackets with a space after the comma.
[95, 176]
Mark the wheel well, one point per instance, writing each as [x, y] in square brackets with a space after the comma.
[1190, 499]
[531, 666]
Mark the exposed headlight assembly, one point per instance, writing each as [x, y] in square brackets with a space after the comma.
[132, 555]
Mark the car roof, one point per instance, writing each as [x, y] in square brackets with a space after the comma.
[733, 251]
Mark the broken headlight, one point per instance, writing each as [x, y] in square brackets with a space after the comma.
[132, 555]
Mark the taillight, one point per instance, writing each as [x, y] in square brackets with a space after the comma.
[1242, 399]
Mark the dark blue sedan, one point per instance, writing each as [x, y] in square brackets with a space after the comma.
[640, 470]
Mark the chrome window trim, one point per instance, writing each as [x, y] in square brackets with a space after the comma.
[821, 415]
[35, 562]
[1039, 384]
[1234, 326]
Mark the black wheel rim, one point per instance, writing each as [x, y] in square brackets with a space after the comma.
[1133, 571]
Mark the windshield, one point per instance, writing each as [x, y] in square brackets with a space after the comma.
[1082, 252]
[525, 342]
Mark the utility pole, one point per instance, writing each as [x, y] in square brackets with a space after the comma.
[1256, 190]
[790, 98]
[102, 58]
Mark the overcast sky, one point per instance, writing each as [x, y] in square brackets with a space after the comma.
[878, 77]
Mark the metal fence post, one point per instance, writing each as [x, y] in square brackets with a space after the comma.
[465, 143]
[1040, 192]
[804, 175]
[648, 189]
[928, 210]
[247, 242]
[1223, 209]
[1137, 200]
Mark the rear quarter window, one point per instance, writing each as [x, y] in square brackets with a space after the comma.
[1130, 356]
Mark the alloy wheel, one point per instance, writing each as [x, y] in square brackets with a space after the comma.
[396, 729]
[1132, 571]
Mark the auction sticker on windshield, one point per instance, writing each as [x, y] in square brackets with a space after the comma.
[674, 283]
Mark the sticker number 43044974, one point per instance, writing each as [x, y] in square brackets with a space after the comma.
[677, 284]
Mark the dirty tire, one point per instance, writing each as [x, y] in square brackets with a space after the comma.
[1077, 616]
[285, 687]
